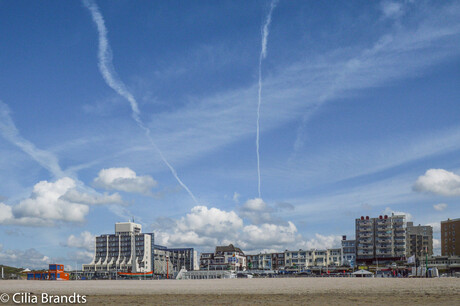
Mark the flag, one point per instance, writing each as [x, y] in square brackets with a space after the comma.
[411, 259]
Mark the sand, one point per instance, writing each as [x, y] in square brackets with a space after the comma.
[290, 291]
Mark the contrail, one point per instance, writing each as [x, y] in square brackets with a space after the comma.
[263, 54]
[9, 131]
[111, 78]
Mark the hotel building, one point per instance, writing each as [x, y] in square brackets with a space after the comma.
[128, 250]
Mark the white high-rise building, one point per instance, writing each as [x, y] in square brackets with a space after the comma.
[128, 250]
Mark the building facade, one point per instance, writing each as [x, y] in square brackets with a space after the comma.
[450, 237]
[302, 259]
[128, 250]
[348, 252]
[224, 258]
[266, 261]
[419, 240]
[380, 239]
[169, 261]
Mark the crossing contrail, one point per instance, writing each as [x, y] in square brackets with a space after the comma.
[263, 54]
[113, 80]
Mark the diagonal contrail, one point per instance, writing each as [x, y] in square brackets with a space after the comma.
[111, 78]
[263, 54]
[9, 131]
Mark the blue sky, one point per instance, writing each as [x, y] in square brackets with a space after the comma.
[359, 116]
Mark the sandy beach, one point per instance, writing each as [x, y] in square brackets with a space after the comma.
[291, 291]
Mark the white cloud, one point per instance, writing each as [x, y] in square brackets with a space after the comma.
[321, 242]
[440, 206]
[29, 258]
[389, 211]
[436, 227]
[124, 179]
[439, 181]
[83, 241]
[92, 199]
[257, 211]
[54, 201]
[268, 235]
[236, 197]
[392, 9]
[80, 257]
[46, 203]
[210, 222]
[436, 247]
[208, 227]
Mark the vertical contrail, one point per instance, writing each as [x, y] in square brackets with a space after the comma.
[263, 54]
[111, 78]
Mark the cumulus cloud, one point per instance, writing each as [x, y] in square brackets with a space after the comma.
[53, 201]
[440, 206]
[210, 222]
[321, 242]
[389, 211]
[203, 226]
[257, 211]
[83, 241]
[439, 181]
[207, 227]
[268, 235]
[124, 179]
[29, 258]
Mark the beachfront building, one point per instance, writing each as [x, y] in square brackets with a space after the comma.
[445, 264]
[162, 264]
[381, 239]
[224, 258]
[419, 240]
[334, 257]
[169, 261]
[348, 252]
[313, 258]
[450, 237]
[266, 261]
[128, 250]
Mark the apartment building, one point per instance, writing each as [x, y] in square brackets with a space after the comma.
[313, 258]
[348, 252]
[450, 237]
[128, 250]
[419, 240]
[265, 261]
[380, 239]
[224, 257]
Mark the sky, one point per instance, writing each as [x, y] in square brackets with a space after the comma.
[111, 111]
